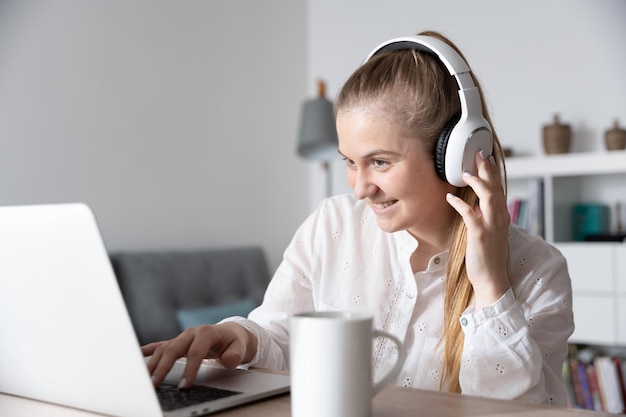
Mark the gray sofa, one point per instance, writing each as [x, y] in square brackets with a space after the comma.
[165, 291]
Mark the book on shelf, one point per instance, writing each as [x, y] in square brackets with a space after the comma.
[581, 385]
[595, 381]
[620, 365]
[598, 400]
[568, 382]
[608, 379]
[528, 212]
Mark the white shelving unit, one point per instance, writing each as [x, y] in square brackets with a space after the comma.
[598, 269]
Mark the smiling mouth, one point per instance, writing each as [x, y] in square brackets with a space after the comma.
[384, 204]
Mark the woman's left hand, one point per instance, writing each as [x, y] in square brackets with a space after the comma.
[487, 232]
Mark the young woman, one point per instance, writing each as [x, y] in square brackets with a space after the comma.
[482, 307]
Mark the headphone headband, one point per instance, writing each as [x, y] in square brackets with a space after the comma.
[448, 56]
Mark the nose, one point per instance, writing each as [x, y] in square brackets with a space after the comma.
[362, 185]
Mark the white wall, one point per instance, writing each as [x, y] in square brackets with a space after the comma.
[533, 58]
[176, 121]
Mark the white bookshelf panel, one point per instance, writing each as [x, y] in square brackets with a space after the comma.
[591, 266]
[620, 255]
[620, 252]
[594, 318]
[570, 164]
[621, 320]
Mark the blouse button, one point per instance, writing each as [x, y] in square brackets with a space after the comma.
[463, 321]
[410, 295]
[437, 260]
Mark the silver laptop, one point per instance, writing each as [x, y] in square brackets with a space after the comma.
[65, 334]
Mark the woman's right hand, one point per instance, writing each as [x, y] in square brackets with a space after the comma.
[230, 343]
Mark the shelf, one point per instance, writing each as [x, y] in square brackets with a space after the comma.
[571, 164]
[597, 269]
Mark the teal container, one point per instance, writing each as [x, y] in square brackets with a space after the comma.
[590, 219]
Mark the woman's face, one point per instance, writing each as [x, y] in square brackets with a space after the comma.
[392, 173]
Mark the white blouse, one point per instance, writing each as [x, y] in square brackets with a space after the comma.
[340, 260]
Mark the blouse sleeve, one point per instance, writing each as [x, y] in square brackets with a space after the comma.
[515, 348]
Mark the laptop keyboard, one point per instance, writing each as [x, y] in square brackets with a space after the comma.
[172, 398]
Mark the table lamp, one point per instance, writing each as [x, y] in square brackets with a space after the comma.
[318, 134]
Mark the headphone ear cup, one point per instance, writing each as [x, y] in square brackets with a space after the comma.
[440, 149]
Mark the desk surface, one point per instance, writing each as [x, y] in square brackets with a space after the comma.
[390, 402]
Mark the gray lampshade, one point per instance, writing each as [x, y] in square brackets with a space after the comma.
[318, 134]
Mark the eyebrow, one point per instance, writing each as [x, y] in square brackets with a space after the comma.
[375, 152]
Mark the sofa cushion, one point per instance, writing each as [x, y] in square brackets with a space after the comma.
[158, 284]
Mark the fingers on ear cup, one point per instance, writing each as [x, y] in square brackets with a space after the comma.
[440, 149]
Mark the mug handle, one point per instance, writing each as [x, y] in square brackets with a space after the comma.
[396, 367]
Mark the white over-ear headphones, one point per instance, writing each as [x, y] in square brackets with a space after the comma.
[462, 138]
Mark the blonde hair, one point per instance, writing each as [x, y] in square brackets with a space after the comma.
[416, 89]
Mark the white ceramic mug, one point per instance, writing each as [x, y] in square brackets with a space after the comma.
[331, 364]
